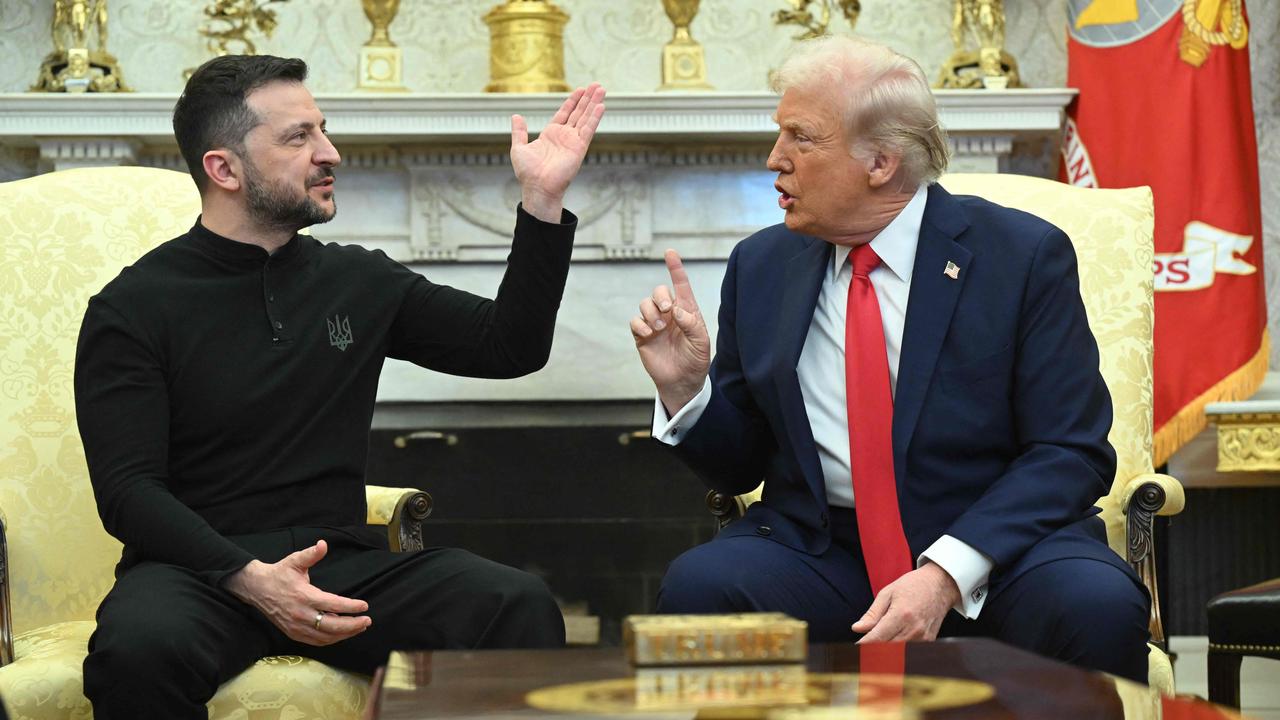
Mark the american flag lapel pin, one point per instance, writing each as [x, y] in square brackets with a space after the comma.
[952, 271]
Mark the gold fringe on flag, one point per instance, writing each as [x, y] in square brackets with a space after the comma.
[1190, 420]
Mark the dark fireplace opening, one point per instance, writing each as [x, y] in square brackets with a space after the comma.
[597, 511]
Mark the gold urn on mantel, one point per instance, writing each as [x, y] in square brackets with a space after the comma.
[684, 66]
[381, 65]
[526, 47]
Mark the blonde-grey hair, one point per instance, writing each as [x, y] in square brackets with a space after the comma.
[887, 105]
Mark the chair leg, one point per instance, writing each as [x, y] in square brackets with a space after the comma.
[1224, 678]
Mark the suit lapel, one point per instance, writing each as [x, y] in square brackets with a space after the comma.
[801, 284]
[929, 310]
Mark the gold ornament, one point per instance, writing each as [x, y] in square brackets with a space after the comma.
[526, 47]
[1248, 441]
[684, 66]
[1206, 23]
[229, 23]
[381, 62]
[801, 15]
[987, 65]
[74, 66]
[754, 691]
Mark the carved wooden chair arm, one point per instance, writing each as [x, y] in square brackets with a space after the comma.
[402, 510]
[6, 617]
[1162, 492]
[1145, 497]
[726, 508]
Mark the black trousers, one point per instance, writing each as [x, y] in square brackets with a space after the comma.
[1078, 610]
[166, 638]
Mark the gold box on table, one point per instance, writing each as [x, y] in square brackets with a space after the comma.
[653, 640]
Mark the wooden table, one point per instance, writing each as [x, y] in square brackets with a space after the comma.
[963, 678]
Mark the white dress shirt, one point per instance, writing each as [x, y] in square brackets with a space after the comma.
[823, 358]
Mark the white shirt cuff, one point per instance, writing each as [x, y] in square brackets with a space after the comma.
[672, 431]
[968, 567]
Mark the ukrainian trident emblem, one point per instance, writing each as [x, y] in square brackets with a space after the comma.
[339, 331]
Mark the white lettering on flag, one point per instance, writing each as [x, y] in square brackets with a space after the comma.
[1075, 158]
[1206, 251]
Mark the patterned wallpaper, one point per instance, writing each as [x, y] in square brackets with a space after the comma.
[446, 43]
[614, 41]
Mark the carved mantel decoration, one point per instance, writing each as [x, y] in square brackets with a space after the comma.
[1248, 441]
[1249, 430]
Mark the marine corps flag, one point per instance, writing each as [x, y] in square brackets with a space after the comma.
[1164, 101]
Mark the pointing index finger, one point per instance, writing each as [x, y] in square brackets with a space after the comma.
[519, 131]
[680, 281]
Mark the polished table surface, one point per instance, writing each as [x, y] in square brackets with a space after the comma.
[964, 678]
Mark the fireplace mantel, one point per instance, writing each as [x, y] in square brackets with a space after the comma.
[427, 179]
[143, 119]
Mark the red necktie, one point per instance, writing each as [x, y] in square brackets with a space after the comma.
[866, 371]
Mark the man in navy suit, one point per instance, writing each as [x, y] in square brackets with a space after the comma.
[939, 478]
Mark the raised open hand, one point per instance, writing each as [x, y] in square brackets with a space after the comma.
[546, 166]
[672, 338]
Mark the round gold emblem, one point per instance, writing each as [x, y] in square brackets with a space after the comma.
[759, 691]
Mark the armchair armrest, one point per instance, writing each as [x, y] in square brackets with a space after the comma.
[402, 510]
[1163, 493]
[1144, 497]
[727, 508]
[6, 616]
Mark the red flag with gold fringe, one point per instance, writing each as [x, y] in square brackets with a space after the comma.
[1165, 101]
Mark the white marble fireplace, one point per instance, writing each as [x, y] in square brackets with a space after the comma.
[426, 178]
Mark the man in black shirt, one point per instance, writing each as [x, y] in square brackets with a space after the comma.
[225, 385]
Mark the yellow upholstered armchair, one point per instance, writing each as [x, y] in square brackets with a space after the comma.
[62, 237]
[1111, 231]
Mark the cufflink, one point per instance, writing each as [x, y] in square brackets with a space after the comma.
[976, 594]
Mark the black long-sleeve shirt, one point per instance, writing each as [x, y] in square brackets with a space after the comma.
[224, 391]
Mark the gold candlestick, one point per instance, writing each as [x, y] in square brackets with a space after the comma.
[684, 66]
[230, 24]
[381, 61]
[79, 61]
[801, 14]
[526, 48]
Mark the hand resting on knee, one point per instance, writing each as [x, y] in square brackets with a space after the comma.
[282, 591]
[911, 607]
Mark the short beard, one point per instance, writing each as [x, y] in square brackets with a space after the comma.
[272, 205]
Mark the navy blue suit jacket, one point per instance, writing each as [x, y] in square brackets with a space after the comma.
[1000, 417]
